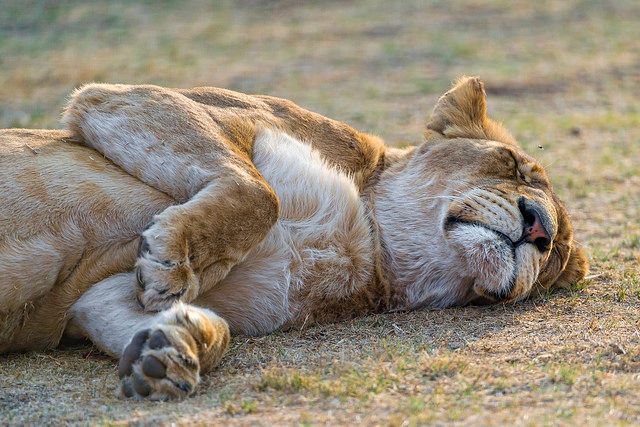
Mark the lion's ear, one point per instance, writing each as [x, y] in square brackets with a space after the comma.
[462, 113]
[576, 269]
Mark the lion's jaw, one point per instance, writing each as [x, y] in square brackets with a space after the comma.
[487, 228]
[455, 235]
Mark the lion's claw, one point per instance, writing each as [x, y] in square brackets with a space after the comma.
[163, 280]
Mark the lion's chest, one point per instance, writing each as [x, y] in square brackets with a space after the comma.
[319, 250]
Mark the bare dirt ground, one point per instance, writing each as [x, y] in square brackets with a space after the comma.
[565, 78]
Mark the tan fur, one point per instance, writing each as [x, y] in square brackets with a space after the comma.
[261, 215]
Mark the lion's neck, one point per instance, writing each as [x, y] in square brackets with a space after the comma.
[385, 292]
[404, 215]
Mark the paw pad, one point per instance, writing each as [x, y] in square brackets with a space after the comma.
[158, 365]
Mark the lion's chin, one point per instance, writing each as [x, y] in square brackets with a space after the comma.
[489, 260]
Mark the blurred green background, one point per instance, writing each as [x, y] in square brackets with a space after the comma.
[376, 64]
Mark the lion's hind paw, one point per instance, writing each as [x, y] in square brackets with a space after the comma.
[160, 363]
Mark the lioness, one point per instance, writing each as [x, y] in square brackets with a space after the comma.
[165, 219]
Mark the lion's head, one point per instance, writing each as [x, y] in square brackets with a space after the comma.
[469, 217]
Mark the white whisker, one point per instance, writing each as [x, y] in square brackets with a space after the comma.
[445, 197]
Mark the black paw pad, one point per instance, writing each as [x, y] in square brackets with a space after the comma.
[158, 340]
[132, 352]
[127, 388]
[153, 367]
[141, 387]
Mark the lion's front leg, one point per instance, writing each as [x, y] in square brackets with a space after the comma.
[162, 355]
[172, 144]
[191, 247]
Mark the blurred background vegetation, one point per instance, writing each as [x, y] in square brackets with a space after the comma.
[377, 64]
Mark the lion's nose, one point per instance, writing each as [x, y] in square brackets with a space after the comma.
[534, 229]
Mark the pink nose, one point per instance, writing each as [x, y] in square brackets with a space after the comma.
[534, 230]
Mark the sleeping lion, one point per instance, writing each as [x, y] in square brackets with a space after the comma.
[165, 220]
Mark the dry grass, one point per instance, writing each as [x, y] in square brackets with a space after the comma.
[562, 75]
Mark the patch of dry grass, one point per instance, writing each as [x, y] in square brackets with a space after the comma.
[564, 76]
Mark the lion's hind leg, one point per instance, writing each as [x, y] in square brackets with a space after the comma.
[172, 143]
[169, 350]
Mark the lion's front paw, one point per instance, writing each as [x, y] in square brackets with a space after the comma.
[163, 269]
[160, 363]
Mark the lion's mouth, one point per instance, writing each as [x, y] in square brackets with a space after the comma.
[452, 221]
[535, 226]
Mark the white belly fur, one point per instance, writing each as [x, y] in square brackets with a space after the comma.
[320, 247]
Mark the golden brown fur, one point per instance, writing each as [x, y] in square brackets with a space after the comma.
[261, 215]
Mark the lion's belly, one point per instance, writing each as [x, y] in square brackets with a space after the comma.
[319, 250]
